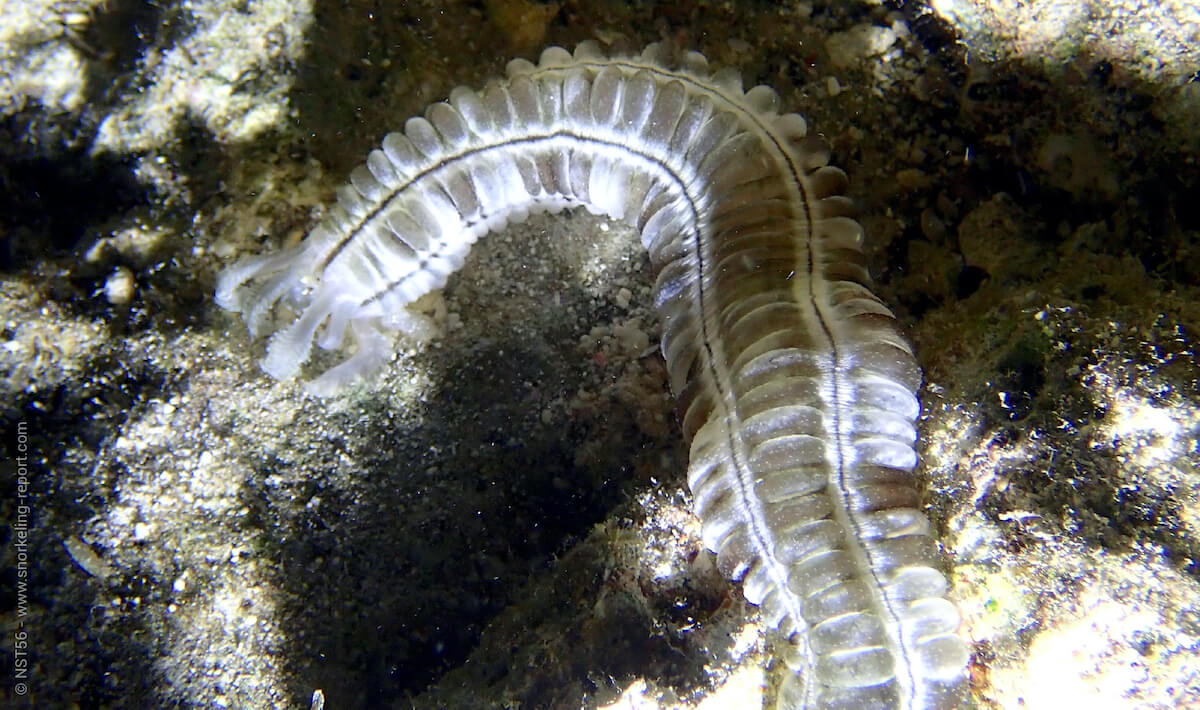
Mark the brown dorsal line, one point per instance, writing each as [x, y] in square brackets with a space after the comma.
[796, 388]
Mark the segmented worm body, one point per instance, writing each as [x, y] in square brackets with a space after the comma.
[795, 388]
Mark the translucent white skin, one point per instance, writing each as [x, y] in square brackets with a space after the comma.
[796, 387]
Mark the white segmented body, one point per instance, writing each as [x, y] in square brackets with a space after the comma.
[795, 387]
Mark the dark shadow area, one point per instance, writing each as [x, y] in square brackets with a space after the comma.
[115, 39]
[53, 190]
[1092, 153]
[464, 502]
[113, 650]
[51, 196]
[366, 79]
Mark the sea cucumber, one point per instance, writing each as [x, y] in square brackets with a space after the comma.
[795, 388]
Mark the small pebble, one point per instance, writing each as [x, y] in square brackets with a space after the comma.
[141, 531]
[119, 287]
[623, 297]
[913, 179]
[86, 558]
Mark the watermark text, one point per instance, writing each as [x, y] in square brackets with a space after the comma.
[20, 541]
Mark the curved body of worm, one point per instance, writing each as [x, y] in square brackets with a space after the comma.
[795, 387]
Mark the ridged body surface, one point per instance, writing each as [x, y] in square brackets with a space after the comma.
[794, 385]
